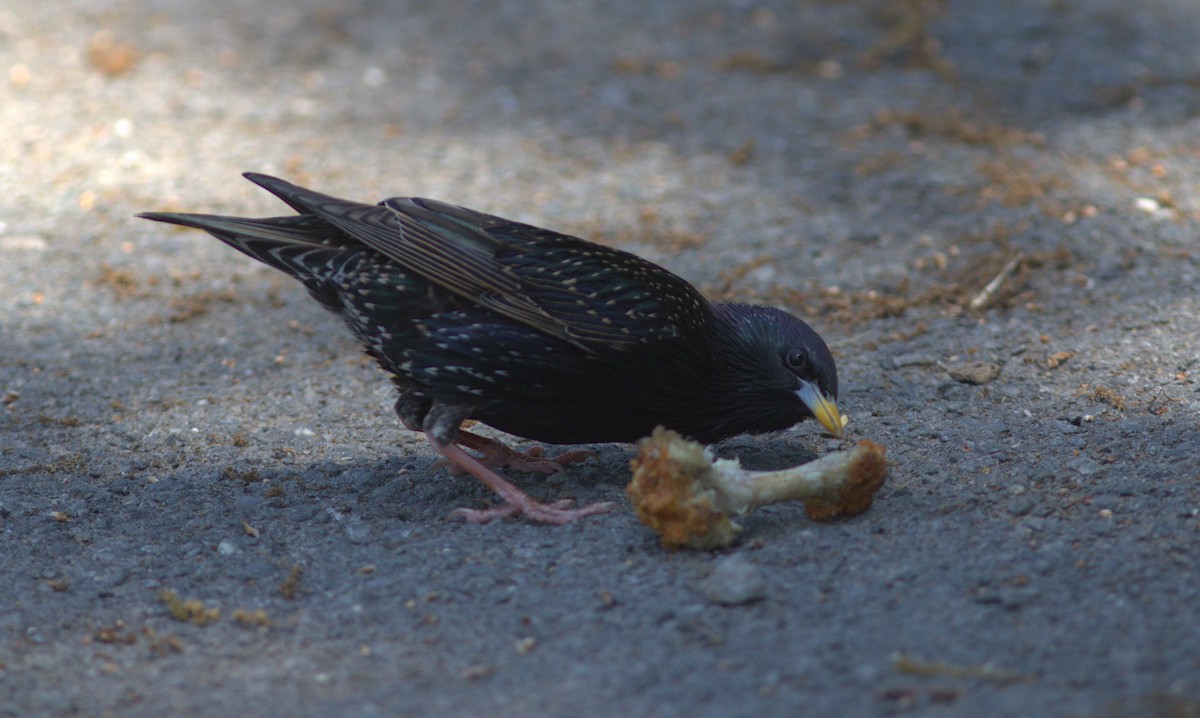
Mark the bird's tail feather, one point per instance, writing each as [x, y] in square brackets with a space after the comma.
[302, 246]
[295, 229]
[304, 200]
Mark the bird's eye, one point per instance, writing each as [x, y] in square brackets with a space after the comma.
[796, 359]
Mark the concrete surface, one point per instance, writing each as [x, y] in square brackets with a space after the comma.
[174, 417]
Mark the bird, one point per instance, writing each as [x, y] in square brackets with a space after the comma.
[538, 334]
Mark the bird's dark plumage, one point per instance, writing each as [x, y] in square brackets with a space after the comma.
[536, 333]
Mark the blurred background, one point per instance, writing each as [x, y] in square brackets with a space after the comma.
[989, 208]
[796, 145]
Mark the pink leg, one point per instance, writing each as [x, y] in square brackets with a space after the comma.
[516, 501]
[496, 453]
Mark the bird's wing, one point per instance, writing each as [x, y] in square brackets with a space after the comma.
[589, 295]
[454, 255]
[605, 295]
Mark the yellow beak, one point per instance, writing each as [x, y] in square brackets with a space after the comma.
[825, 411]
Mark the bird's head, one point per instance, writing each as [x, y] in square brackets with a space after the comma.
[782, 363]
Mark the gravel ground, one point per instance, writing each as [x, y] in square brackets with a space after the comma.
[175, 418]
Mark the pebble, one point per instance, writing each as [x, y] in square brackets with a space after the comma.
[1064, 427]
[359, 478]
[973, 372]
[1127, 487]
[120, 487]
[911, 359]
[1020, 506]
[358, 532]
[733, 581]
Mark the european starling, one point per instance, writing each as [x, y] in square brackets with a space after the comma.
[535, 333]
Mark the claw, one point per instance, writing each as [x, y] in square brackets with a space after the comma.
[558, 513]
[516, 501]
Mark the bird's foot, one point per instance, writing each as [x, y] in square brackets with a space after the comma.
[498, 454]
[557, 513]
[516, 501]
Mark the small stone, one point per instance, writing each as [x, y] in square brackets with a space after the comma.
[1084, 466]
[359, 478]
[1020, 506]
[973, 372]
[734, 581]
[359, 532]
[1149, 205]
[1065, 427]
[911, 359]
